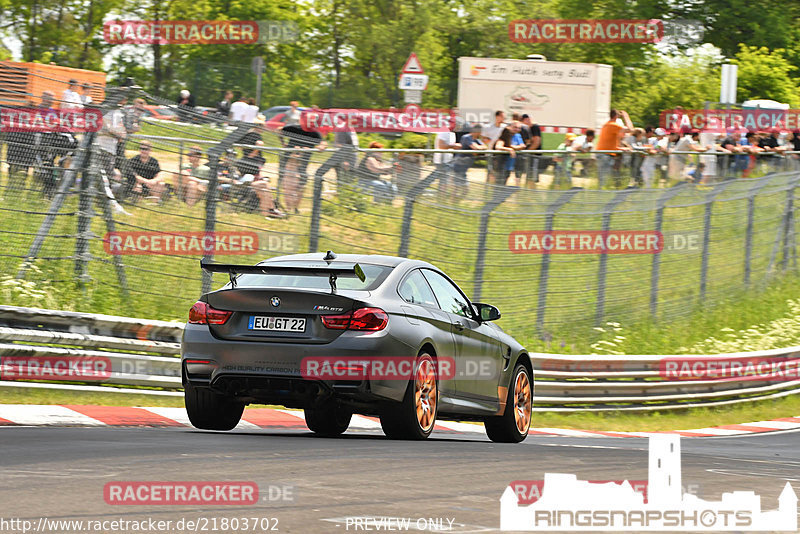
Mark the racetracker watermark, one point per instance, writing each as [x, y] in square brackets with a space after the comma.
[180, 243]
[772, 369]
[586, 242]
[181, 493]
[729, 120]
[199, 31]
[370, 368]
[83, 368]
[41, 120]
[411, 119]
[586, 31]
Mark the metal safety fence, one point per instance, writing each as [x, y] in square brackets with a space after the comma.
[50, 347]
[117, 221]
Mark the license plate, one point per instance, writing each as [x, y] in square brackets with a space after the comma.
[277, 324]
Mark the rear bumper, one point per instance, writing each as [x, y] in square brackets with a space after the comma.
[271, 372]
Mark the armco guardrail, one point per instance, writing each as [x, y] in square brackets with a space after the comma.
[120, 351]
[51, 345]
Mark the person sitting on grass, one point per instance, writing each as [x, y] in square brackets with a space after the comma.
[142, 175]
[250, 166]
[193, 178]
[370, 175]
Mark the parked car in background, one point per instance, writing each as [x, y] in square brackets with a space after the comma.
[164, 113]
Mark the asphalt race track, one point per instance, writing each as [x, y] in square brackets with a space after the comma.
[59, 473]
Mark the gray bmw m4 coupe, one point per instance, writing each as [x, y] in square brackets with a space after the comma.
[337, 335]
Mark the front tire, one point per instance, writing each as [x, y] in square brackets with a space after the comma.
[513, 425]
[329, 419]
[208, 410]
[415, 416]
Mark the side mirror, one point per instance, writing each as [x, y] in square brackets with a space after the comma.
[487, 312]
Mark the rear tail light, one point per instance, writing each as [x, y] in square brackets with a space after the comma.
[371, 319]
[202, 313]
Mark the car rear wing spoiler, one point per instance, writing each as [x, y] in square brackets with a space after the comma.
[331, 271]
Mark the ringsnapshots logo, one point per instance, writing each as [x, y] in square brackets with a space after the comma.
[569, 504]
[39, 120]
[410, 119]
[199, 31]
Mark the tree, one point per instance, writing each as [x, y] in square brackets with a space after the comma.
[766, 74]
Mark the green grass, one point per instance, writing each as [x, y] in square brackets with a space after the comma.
[672, 419]
[55, 396]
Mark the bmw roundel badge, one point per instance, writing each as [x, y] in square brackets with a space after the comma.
[275, 301]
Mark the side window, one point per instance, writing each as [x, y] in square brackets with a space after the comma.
[449, 297]
[415, 290]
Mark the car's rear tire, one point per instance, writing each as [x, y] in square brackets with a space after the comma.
[513, 425]
[329, 419]
[209, 410]
[415, 416]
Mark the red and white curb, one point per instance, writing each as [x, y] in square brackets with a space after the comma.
[264, 418]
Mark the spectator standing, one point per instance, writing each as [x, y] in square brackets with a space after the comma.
[294, 177]
[750, 153]
[239, 110]
[491, 133]
[86, 94]
[563, 161]
[677, 162]
[462, 162]
[772, 149]
[651, 150]
[509, 137]
[534, 142]
[185, 105]
[794, 146]
[585, 144]
[224, 105]
[443, 161]
[70, 98]
[111, 135]
[343, 160]
[610, 138]
[252, 111]
[293, 114]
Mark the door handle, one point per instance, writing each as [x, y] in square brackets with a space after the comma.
[459, 325]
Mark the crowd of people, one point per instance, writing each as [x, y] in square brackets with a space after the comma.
[619, 151]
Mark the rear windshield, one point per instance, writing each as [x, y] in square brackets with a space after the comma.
[375, 275]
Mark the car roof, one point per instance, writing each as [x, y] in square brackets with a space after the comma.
[369, 259]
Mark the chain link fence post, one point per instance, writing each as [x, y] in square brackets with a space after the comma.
[214, 155]
[655, 268]
[709, 206]
[408, 210]
[85, 216]
[316, 213]
[500, 196]
[544, 270]
[602, 267]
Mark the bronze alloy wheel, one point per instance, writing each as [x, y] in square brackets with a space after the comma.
[425, 393]
[522, 402]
